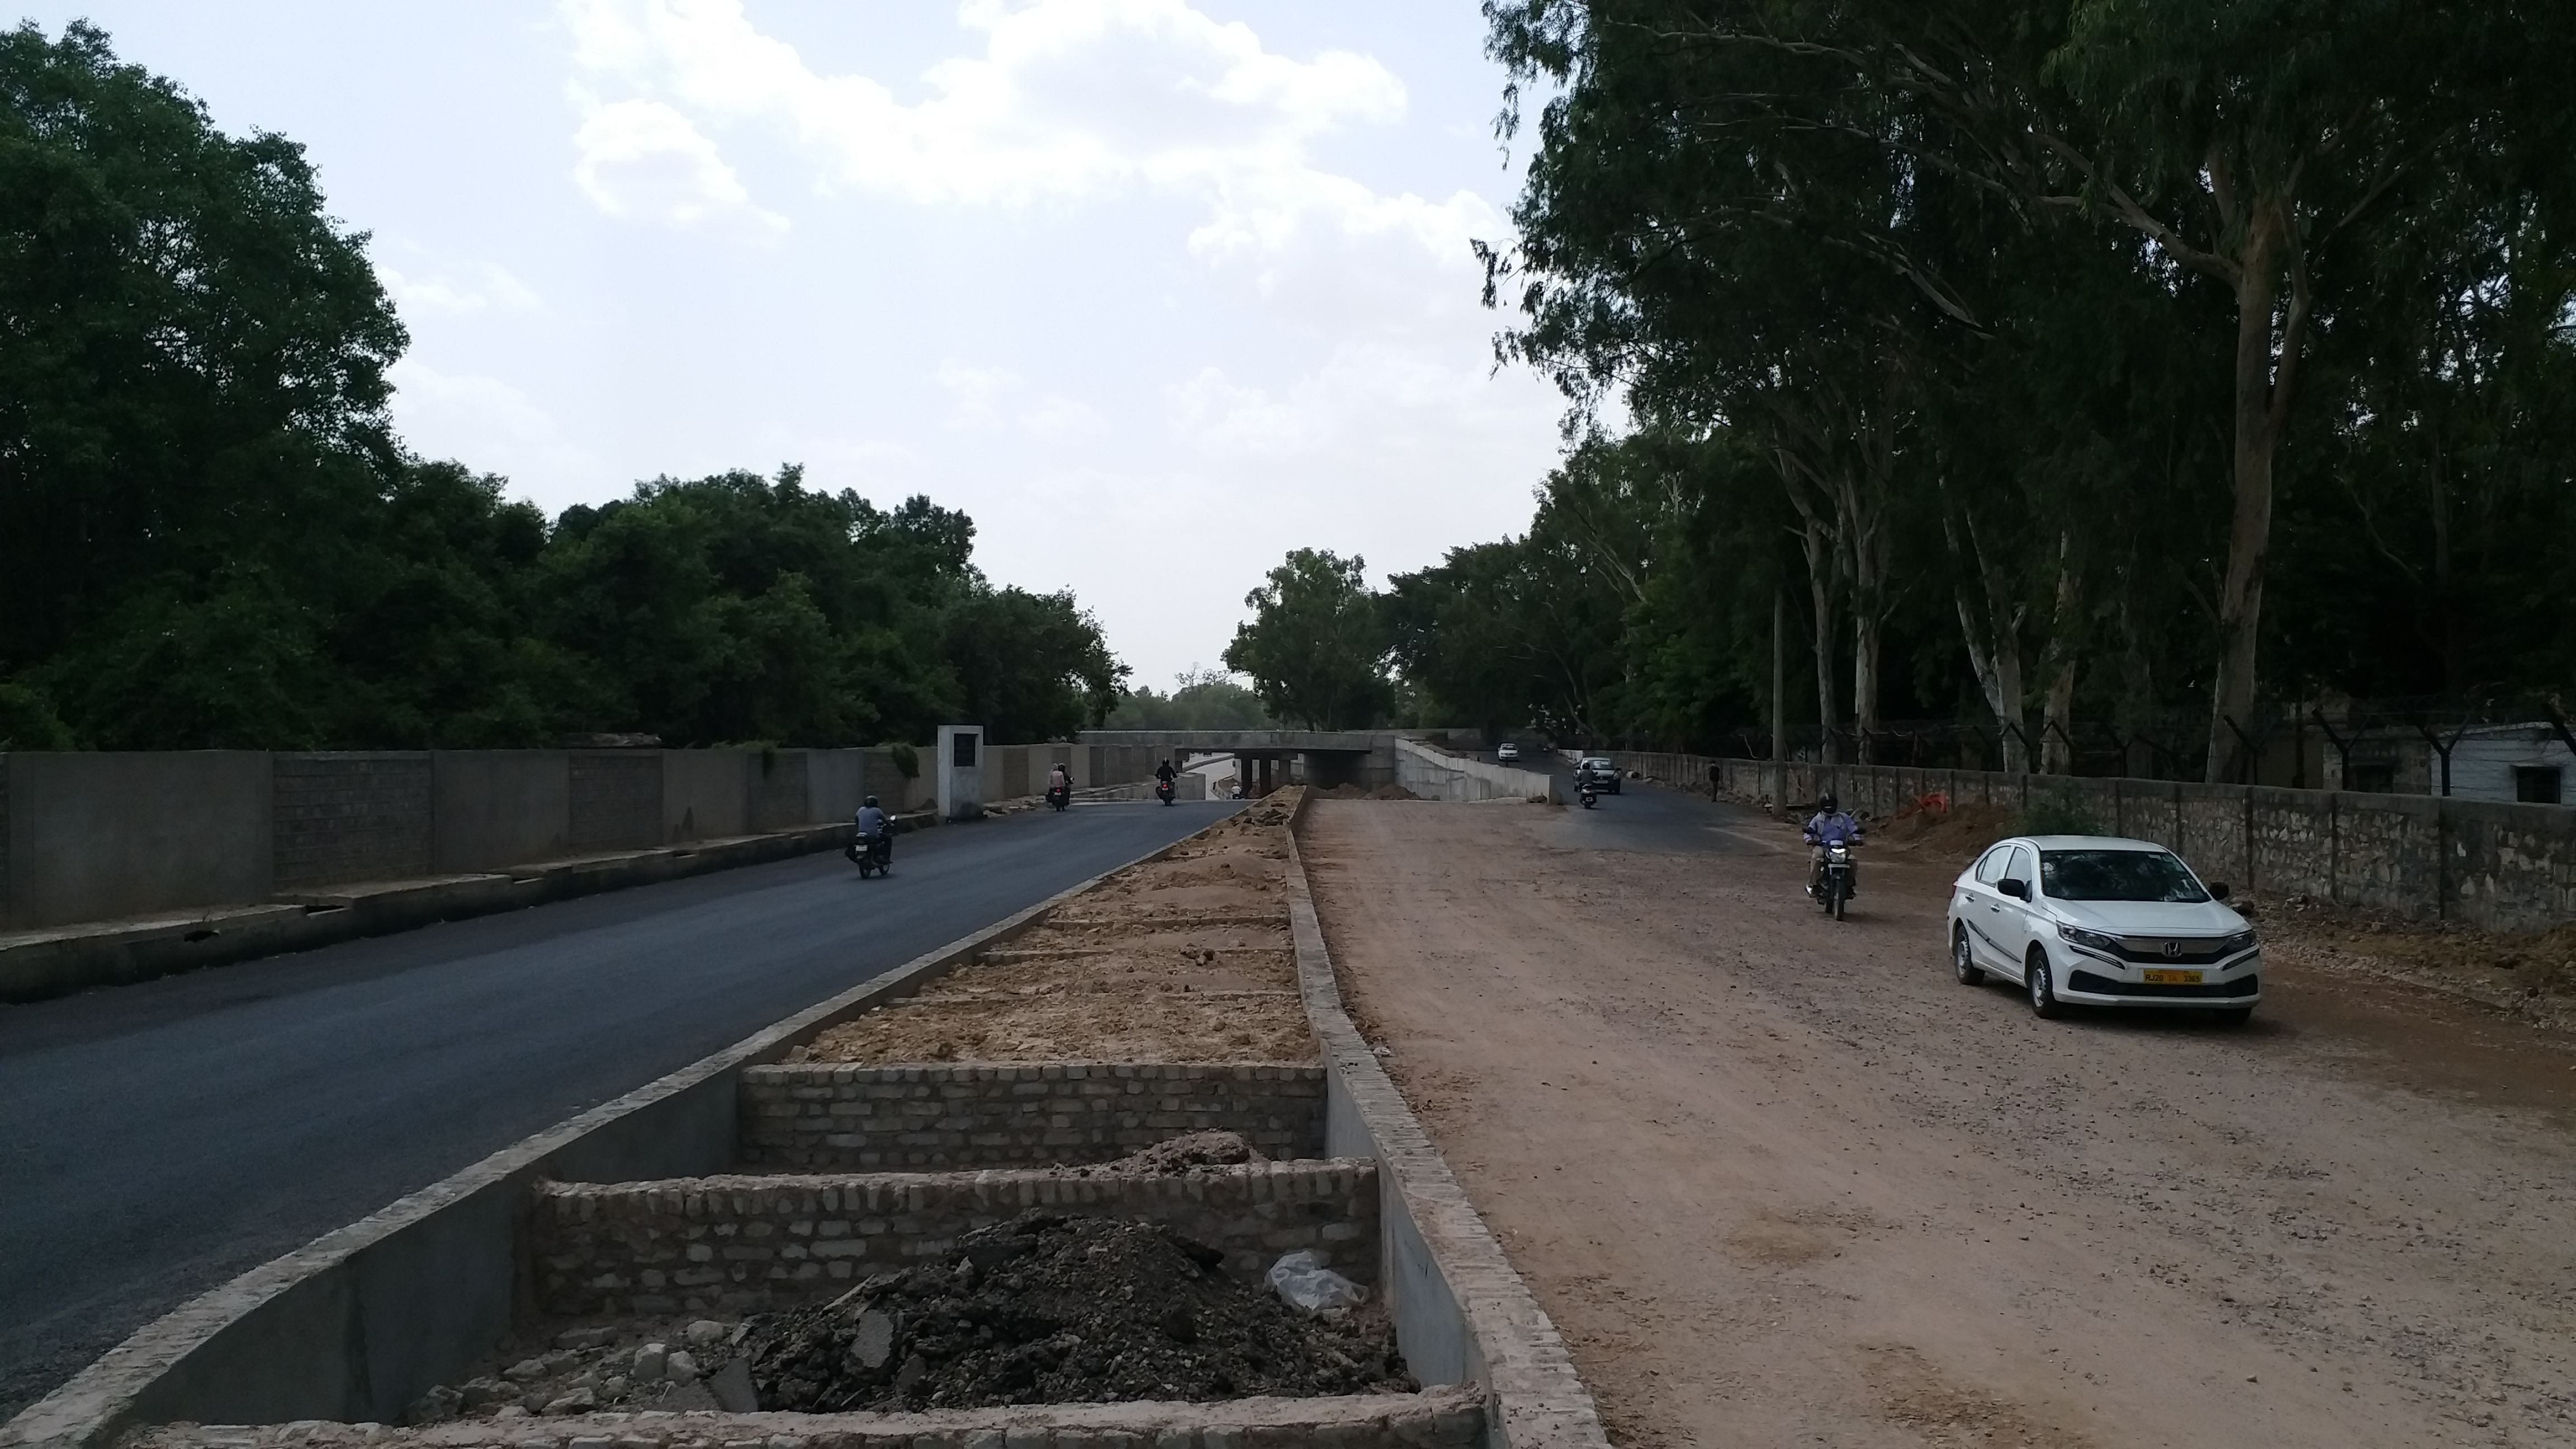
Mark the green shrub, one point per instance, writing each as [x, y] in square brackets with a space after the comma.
[2058, 814]
[906, 759]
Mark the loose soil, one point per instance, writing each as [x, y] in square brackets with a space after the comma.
[1780, 1180]
[1181, 959]
[1051, 1309]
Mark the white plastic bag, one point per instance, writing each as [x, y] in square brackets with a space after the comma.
[1302, 1279]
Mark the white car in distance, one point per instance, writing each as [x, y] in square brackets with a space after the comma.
[2095, 920]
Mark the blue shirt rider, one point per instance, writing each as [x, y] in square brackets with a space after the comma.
[872, 826]
[1829, 823]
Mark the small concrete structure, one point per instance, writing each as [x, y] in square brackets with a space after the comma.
[961, 772]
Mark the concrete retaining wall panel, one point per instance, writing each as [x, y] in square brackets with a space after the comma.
[94, 836]
[5, 916]
[352, 816]
[763, 1244]
[704, 794]
[821, 1117]
[497, 808]
[835, 782]
[616, 800]
[781, 790]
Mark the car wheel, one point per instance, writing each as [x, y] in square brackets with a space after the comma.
[2233, 1015]
[1963, 962]
[2043, 992]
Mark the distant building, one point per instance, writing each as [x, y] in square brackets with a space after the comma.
[2526, 762]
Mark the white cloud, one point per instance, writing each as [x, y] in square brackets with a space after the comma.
[481, 286]
[493, 427]
[990, 399]
[642, 159]
[1070, 100]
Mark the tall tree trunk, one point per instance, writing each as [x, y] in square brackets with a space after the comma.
[1779, 698]
[2062, 662]
[1821, 566]
[1994, 641]
[2266, 376]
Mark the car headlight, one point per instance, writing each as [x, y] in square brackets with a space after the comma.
[2090, 940]
[2241, 941]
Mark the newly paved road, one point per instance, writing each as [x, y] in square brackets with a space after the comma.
[157, 1139]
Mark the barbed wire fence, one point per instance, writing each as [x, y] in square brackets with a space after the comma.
[2303, 744]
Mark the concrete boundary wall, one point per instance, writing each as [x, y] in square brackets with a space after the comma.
[1439, 775]
[2492, 864]
[357, 1324]
[88, 837]
[1461, 1313]
[756, 1244]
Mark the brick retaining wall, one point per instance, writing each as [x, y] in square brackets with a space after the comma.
[1436, 1418]
[821, 1116]
[756, 1244]
[2489, 863]
[350, 817]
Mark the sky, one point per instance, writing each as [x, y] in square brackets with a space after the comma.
[1156, 291]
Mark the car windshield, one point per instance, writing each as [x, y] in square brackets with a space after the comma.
[2117, 875]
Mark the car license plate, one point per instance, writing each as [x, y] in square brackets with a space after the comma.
[2171, 978]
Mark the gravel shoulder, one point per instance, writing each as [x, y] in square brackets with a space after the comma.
[1780, 1181]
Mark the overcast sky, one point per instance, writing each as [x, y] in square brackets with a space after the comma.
[1155, 291]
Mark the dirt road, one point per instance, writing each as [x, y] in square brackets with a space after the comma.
[1785, 1182]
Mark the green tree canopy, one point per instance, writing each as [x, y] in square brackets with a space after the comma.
[1316, 646]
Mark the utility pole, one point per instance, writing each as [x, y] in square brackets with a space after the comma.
[1779, 696]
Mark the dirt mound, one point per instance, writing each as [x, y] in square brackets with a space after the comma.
[1363, 792]
[1183, 958]
[2525, 974]
[1937, 826]
[1187, 1153]
[1048, 1309]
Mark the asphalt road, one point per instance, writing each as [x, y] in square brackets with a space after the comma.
[1654, 820]
[156, 1140]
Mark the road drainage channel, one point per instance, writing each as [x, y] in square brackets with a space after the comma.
[1044, 1188]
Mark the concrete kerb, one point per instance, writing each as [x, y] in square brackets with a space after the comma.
[35, 965]
[1461, 1311]
[359, 1322]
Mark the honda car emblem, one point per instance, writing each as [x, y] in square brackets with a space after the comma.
[2173, 948]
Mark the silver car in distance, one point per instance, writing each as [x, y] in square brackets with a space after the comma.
[2094, 920]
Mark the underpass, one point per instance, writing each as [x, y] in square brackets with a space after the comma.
[163, 1137]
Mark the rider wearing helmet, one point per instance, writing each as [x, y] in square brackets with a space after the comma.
[1829, 823]
[872, 823]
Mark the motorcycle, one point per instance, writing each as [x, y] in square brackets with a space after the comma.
[1059, 796]
[873, 854]
[1834, 880]
[1588, 793]
[1164, 791]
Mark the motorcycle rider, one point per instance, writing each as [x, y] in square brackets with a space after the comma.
[871, 822]
[1163, 772]
[1829, 824]
[1057, 779]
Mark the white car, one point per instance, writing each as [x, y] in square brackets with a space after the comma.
[1507, 752]
[2094, 920]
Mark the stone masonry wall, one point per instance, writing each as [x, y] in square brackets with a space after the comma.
[820, 1116]
[350, 817]
[759, 1244]
[616, 800]
[2503, 866]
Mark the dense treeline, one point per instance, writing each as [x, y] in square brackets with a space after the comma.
[209, 535]
[2046, 359]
